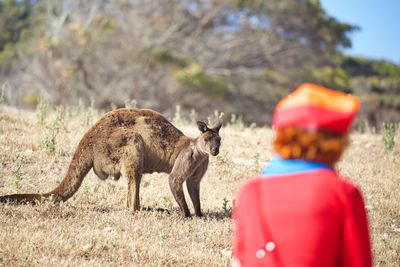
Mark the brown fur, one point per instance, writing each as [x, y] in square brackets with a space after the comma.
[132, 142]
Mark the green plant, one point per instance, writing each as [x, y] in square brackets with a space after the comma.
[226, 207]
[87, 113]
[17, 172]
[42, 109]
[253, 126]
[236, 121]
[80, 108]
[257, 162]
[113, 106]
[85, 190]
[333, 76]
[195, 78]
[130, 103]
[166, 56]
[26, 262]
[2, 92]
[168, 202]
[388, 134]
[177, 116]
[193, 117]
[163, 238]
[218, 116]
[61, 121]
[223, 158]
[49, 142]
[368, 128]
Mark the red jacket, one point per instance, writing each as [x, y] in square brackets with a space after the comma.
[297, 219]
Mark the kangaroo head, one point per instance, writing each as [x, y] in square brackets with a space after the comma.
[209, 141]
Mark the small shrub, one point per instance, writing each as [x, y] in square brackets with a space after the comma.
[218, 116]
[257, 162]
[388, 134]
[60, 123]
[167, 201]
[87, 114]
[17, 172]
[61, 120]
[223, 158]
[193, 117]
[194, 77]
[226, 207]
[85, 190]
[130, 103]
[2, 93]
[236, 121]
[166, 56]
[42, 109]
[367, 128]
[177, 116]
[253, 126]
[113, 106]
[49, 142]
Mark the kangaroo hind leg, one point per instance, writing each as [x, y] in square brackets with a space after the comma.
[132, 168]
[102, 164]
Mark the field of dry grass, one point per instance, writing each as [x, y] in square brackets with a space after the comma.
[94, 228]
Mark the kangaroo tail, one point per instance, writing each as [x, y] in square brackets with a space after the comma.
[80, 165]
[21, 198]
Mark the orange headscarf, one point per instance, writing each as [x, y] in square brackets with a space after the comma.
[314, 107]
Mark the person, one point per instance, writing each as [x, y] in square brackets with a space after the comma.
[299, 211]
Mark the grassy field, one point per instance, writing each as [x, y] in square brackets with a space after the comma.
[94, 228]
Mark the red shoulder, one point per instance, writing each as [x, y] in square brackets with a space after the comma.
[349, 187]
[246, 191]
[249, 186]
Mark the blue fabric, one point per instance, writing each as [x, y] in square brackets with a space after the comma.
[288, 166]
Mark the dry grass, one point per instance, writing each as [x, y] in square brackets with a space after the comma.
[95, 229]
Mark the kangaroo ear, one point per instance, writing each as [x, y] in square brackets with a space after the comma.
[217, 126]
[202, 126]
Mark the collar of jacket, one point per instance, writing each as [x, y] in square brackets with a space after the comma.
[277, 166]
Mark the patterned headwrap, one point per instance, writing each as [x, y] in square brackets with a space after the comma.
[314, 107]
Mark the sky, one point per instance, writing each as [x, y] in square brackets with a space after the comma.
[379, 20]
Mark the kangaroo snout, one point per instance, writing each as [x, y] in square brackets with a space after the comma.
[214, 151]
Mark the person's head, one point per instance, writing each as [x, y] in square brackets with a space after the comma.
[312, 124]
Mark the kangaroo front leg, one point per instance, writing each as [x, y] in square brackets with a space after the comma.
[193, 186]
[177, 191]
[194, 193]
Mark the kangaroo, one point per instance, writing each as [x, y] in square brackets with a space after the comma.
[133, 142]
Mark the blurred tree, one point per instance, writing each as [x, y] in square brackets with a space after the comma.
[14, 18]
[240, 56]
